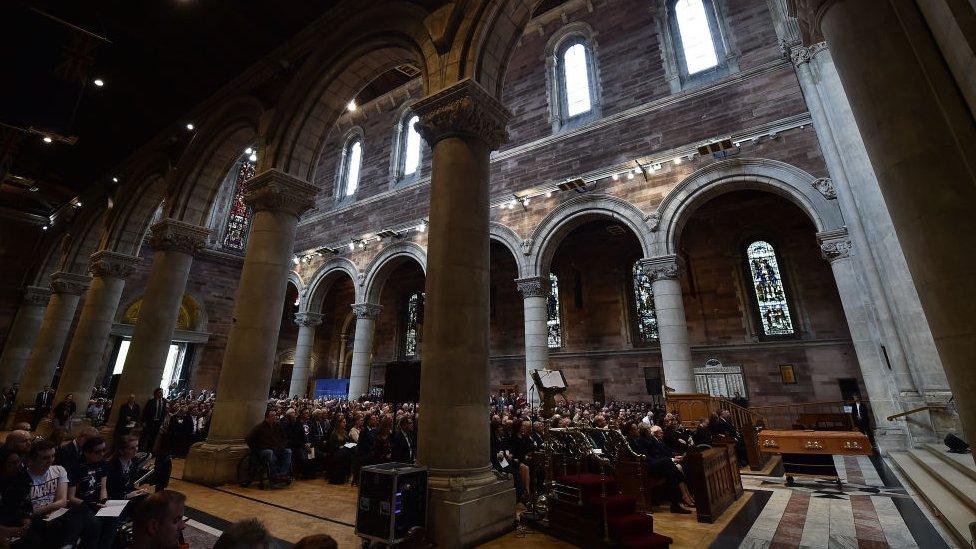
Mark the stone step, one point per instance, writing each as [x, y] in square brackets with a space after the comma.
[961, 462]
[955, 513]
[960, 484]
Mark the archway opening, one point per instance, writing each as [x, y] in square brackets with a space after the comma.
[398, 338]
[287, 338]
[764, 316]
[334, 337]
[507, 322]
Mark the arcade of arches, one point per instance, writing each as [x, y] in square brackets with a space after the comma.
[652, 200]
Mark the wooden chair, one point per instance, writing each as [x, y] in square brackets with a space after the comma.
[629, 468]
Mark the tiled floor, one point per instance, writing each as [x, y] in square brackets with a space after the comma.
[863, 513]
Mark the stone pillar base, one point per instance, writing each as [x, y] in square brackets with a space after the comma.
[213, 464]
[459, 515]
[891, 440]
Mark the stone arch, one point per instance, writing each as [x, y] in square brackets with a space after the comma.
[779, 178]
[348, 58]
[138, 199]
[192, 314]
[323, 279]
[573, 213]
[85, 232]
[211, 154]
[507, 237]
[379, 269]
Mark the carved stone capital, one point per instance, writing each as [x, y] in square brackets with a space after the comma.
[366, 310]
[665, 267]
[107, 263]
[276, 191]
[170, 235]
[653, 221]
[834, 244]
[825, 186]
[36, 295]
[803, 54]
[309, 319]
[69, 283]
[464, 109]
[533, 286]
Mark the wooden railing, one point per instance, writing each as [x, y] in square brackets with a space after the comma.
[691, 407]
[910, 412]
[785, 416]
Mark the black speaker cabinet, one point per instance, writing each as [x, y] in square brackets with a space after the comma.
[392, 500]
[402, 382]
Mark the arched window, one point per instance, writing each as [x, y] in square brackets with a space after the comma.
[414, 322]
[695, 35]
[552, 314]
[352, 159]
[239, 214]
[572, 76]
[767, 282]
[410, 147]
[644, 305]
[695, 43]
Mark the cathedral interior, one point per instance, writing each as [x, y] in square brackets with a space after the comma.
[368, 226]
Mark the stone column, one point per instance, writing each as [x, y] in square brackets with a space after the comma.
[672, 328]
[362, 348]
[468, 503]
[175, 243]
[343, 342]
[278, 199]
[535, 293]
[66, 290]
[23, 334]
[307, 322]
[85, 355]
[921, 140]
[836, 248]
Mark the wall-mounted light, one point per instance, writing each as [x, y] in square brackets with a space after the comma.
[98, 82]
[47, 140]
[351, 105]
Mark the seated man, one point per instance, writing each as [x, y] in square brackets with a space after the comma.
[267, 440]
[19, 441]
[158, 521]
[69, 455]
[661, 462]
[49, 496]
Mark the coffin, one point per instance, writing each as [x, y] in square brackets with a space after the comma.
[842, 443]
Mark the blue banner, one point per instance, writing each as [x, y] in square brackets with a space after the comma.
[331, 388]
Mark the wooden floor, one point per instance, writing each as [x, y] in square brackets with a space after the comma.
[313, 506]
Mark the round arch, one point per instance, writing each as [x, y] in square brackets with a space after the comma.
[573, 213]
[379, 269]
[779, 178]
[138, 199]
[507, 237]
[323, 279]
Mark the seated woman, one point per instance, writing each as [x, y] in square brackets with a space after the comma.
[523, 449]
[341, 463]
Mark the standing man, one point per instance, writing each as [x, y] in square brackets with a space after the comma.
[403, 443]
[42, 405]
[861, 416]
[128, 417]
[153, 414]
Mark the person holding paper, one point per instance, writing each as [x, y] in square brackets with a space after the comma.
[123, 470]
[87, 488]
[54, 524]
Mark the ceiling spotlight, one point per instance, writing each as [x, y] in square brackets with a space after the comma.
[249, 150]
[615, 177]
[253, 157]
[115, 180]
[351, 105]
[630, 175]
[78, 204]
[98, 82]
[34, 189]
[189, 126]
[47, 140]
[44, 228]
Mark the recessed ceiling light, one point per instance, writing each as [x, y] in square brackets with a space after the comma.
[351, 105]
[189, 126]
[47, 139]
[249, 150]
[115, 180]
[44, 228]
[78, 204]
[98, 82]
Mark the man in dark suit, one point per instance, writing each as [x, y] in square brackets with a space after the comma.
[128, 417]
[404, 447]
[661, 462]
[69, 454]
[861, 415]
[42, 405]
[153, 414]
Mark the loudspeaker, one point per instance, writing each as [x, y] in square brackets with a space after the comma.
[956, 445]
[402, 382]
[653, 386]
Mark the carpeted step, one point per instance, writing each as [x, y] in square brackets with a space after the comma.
[630, 526]
[646, 541]
[589, 483]
[617, 505]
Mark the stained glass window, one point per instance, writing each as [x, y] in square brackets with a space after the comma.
[576, 80]
[696, 35]
[552, 314]
[353, 161]
[411, 147]
[644, 304]
[774, 311]
[415, 319]
[239, 215]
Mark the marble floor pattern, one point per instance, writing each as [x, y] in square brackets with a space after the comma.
[863, 513]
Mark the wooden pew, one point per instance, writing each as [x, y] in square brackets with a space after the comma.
[714, 478]
[629, 468]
